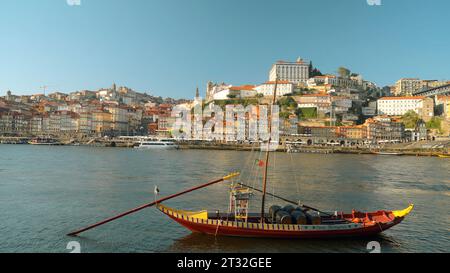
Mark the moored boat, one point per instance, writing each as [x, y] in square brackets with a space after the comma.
[157, 144]
[339, 225]
[387, 153]
[44, 141]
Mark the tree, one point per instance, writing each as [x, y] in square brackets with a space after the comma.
[434, 123]
[410, 119]
[313, 72]
[306, 113]
[284, 115]
[343, 72]
[287, 102]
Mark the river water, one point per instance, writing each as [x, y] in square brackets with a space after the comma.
[45, 192]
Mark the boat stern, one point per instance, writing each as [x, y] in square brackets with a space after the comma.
[203, 214]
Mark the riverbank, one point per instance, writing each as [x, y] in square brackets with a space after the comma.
[423, 148]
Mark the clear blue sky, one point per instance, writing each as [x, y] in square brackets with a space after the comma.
[168, 47]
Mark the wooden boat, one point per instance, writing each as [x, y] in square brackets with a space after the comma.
[287, 222]
[343, 225]
[444, 155]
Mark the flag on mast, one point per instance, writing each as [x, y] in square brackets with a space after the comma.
[156, 191]
[260, 163]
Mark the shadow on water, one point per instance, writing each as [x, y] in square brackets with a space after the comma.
[196, 242]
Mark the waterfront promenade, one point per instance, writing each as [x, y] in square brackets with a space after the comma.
[422, 148]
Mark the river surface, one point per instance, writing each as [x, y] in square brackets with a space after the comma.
[45, 192]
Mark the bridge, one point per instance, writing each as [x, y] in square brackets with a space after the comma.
[441, 90]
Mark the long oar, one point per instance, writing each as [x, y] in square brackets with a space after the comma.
[74, 233]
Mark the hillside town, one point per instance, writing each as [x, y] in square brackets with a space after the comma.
[315, 109]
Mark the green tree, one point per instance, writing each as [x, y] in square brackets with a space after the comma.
[284, 115]
[287, 102]
[410, 119]
[434, 123]
[306, 113]
[343, 72]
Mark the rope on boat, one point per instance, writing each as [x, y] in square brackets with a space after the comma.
[217, 229]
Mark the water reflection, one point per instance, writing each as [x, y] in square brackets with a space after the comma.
[196, 242]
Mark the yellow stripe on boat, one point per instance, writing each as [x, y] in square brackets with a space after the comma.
[403, 213]
[203, 214]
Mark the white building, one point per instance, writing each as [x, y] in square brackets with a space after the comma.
[398, 106]
[243, 91]
[283, 88]
[214, 88]
[295, 72]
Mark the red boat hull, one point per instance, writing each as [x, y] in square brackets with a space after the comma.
[381, 221]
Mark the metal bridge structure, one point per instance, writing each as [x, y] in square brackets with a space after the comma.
[441, 90]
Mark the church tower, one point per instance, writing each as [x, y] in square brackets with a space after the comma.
[197, 99]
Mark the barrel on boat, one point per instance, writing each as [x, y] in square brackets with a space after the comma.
[288, 208]
[283, 217]
[273, 210]
[313, 218]
[299, 217]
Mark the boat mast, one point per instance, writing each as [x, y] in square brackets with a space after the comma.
[266, 165]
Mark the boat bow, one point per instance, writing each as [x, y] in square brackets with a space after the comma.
[403, 213]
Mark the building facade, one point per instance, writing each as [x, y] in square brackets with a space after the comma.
[243, 91]
[398, 106]
[267, 88]
[407, 86]
[295, 72]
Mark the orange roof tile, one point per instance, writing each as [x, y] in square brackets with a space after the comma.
[242, 87]
[279, 82]
[315, 95]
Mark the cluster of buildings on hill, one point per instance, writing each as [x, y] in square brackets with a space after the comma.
[293, 78]
[345, 107]
[315, 108]
[110, 111]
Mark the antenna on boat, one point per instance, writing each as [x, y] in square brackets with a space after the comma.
[269, 116]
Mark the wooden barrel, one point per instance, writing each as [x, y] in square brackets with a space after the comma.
[299, 217]
[282, 217]
[273, 210]
[313, 218]
[288, 208]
